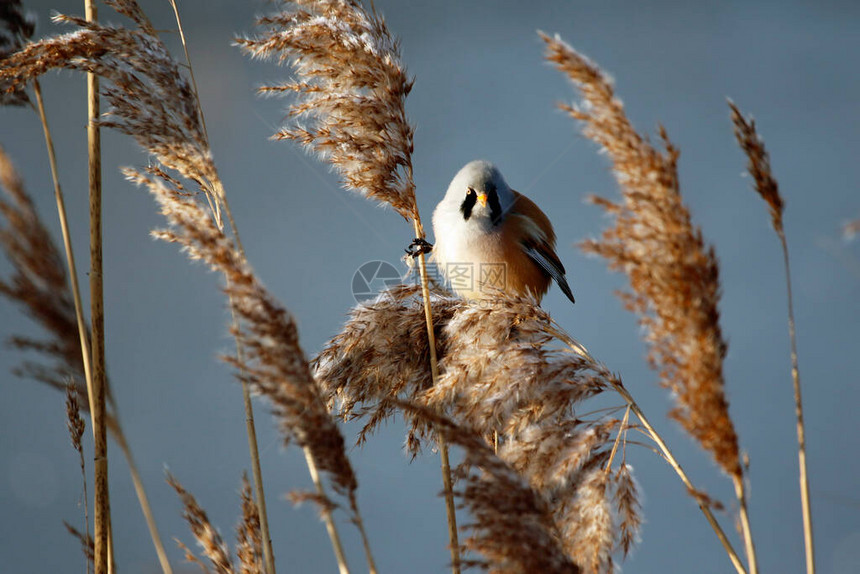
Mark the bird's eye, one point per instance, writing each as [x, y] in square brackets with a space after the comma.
[469, 191]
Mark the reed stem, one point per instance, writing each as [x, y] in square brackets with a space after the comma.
[250, 425]
[142, 499]
[67, 240]
[359, 523]
[82, 332]
[746, 530]
[798, 406]
[326, 512]
[664, 450]
[101, 508]
[447, 482]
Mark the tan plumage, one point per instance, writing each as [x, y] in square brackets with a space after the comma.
[490, 237]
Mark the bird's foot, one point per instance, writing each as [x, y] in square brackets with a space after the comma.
[419, 247]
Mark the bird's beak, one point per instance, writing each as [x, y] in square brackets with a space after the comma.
[482, 199]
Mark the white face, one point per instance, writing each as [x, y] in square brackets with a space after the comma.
[479, 194]
[467, 221]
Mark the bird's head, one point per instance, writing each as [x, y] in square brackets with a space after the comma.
[480, 194]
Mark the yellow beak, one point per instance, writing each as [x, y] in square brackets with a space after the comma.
[482, 199]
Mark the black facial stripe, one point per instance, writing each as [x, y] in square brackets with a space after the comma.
[495, 206]
[468, 204]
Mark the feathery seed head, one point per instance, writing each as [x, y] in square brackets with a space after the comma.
[673, 274]
[349, 96]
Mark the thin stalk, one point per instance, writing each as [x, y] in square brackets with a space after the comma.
[97, 399]
[746, 530]
[447, 482]
[798, 406]
[664, 450]
[142, 498]
[67, 240]
[190, 68]
[250, 425]
[359, 523]
[82, 332]
[326, 511]
[676, 466]
[251, 431]
[621, 429]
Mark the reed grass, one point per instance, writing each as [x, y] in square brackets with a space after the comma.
[504, 370]
[76, 426]
[40, 287]
[673, 274]
[250, 425]
[767, 187]
[544, 482]
[350, 104]
[103, 547]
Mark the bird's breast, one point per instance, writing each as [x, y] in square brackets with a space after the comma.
[479, 263]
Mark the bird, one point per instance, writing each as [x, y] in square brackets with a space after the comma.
[490, 238]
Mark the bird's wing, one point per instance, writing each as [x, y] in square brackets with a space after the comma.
[546, 258]
[540, 245]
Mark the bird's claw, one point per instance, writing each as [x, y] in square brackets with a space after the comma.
[419, 247]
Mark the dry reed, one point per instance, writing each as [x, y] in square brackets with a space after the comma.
[273, 363]
[149, 98]
[249, 551]
[511, 525]
[16, 29]
[38, 284]
[249, 535]
[250, 424]
[97, 382]
[351, 93]
[766, 186]
[208, 537]
[674, 275]
[86, 541]
[350, 98]
[503, 370]
[76, 426]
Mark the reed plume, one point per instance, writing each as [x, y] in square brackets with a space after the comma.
[380, 357]
[758, 166]
[673, 274]
[502, 369]
[16, 29]
[150, 100]
[249, 537]
[511, 526]
[207, 536]
[350, 109]
[86, 541]
[39, 286]
[274, 362]
[350, 95]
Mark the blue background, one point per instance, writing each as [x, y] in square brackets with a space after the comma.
[482, 91]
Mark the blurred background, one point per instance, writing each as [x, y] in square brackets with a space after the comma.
[482, 90]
